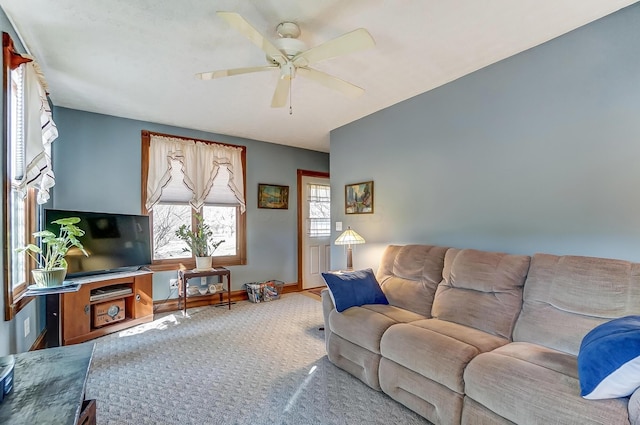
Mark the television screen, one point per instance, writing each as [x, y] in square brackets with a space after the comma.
[114, 242]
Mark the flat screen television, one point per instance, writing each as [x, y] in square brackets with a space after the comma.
[114, 242]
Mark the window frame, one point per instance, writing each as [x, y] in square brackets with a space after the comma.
[241, 223]
[14, 299]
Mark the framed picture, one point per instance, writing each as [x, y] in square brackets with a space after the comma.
[273, 196]
[358, 198]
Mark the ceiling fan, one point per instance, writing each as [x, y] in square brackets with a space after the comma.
[292, 57]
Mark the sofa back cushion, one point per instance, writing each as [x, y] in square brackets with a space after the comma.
[410, 274]
[567, 296]
[482, 290]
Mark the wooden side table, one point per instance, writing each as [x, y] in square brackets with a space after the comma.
[53, 314]
[185, 275]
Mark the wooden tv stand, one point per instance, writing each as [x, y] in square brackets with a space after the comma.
[78, 320]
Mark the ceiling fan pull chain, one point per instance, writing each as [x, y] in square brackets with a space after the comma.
[290, 96]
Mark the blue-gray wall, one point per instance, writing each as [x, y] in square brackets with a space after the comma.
[97, 164]
[12, 339]
[537, 153]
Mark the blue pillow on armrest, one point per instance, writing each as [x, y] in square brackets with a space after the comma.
[609, 359]
[354, 289]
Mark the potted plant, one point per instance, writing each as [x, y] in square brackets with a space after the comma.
[52, 266]
[200, 242]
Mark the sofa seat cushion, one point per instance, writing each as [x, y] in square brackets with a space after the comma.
[436, 349]
[365, 325]
[531, 384]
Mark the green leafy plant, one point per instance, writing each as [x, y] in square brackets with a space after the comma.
[55, 247]
[200, 241]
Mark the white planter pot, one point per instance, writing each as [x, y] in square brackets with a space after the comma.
[203, 263]
[49, 278]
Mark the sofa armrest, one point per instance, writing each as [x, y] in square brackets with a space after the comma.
[634, 408]
[327, 307]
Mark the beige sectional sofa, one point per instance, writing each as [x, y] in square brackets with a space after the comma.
[475, 337]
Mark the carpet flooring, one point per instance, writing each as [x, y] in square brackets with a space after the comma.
[255, 364]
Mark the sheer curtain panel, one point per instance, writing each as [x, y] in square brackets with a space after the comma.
[39, 133]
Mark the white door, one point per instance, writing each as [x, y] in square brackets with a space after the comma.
[316, 230]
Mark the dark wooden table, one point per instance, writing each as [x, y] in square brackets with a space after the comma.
[185, 275]
[49, 388]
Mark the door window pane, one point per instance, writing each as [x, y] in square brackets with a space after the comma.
[319, 198]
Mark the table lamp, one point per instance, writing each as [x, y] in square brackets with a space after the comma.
[349, 237]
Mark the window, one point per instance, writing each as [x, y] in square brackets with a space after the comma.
[222, 220]
[167, 218]
[319, 198]
[17, 214]
[170, 202]
[26, 171]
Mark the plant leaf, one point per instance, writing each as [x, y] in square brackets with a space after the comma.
[66, 221]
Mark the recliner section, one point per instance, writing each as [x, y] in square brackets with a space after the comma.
[476, 337]
[353, 336]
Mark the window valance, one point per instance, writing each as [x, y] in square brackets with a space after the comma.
[184, 170]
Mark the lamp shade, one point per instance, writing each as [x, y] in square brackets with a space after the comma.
[349, 237]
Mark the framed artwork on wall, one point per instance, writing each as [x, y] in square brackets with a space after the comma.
[273, 196]
[358, 198]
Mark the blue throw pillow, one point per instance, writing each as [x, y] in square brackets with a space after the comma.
[609, 359]
[354, 289]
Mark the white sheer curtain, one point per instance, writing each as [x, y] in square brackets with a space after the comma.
[39, 133]
[183, 170]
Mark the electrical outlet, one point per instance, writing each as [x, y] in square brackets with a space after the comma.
[27, 327]
[173, 283]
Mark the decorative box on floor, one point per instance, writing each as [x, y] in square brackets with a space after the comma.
[264, 291]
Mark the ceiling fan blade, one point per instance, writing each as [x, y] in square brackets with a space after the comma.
[231, 72]
[353, 41]
[245, 28]
[282, 92]
[331, 82]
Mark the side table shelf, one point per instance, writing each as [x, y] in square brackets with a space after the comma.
[185, 275]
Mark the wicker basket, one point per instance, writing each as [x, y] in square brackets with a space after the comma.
[264, 291]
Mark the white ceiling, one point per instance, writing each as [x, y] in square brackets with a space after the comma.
[137, 58]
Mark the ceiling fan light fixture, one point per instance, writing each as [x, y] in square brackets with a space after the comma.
[288, 30]
[290, 46]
